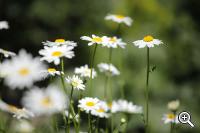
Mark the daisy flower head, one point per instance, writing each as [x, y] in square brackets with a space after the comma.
[22, 70]
[85, 72]
[51, 72]
[7, 53]
[108, 69]
[147, 41]
[113, 42]
[170, 118]
[88, 104]
[59, 42]
[173, 105]
[76, 82]
[4, 25]
[54, 53]
[126, 107]
[102, 110]
[92, 40]
[45, 101]
[119, 19]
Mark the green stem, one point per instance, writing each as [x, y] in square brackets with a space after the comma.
[97, 125]
[54, 123]
[79, 113]
[89, 123]
[70, 102]
[147, 92]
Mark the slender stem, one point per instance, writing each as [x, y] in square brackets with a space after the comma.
[79, 112]
[70, 102]
[89, 123]
[92, 66]
[97, 125]
[171, 127]
[54, 123]
[147, 92]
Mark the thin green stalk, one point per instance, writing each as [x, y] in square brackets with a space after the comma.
[97, 126]
[89, 123]
[92, 66]
[147, 92]
[79, 113]
[54, 124]
[70, 102]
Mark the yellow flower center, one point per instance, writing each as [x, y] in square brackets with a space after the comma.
[57, 53]
[24, 71]
[109, 105]
[120, 16]
[59, 40]
[90, 104]
[74, 83]
[46, 102]
[51, 70]
[148, 38]
[113, 39]
[171, 116]
[100, 110]
[97, 39]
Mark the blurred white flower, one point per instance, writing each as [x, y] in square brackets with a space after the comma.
[23, 126]
[4, 25]
[170, 118]
[101, 111]
[59, 42]
[7, 53]
[17, 112]
[119, 19]
[85, 72]
[45, 101]
[88, 104]
[54, 53]
[93, 40]
[173, 105]
[113, 42]
[76, 82]
[148, 41]
[126, 107]
[108, 69]
[22, 70]
[50, 72]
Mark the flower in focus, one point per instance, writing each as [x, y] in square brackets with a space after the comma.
[173, 105]
[54, 53]
[119, 19]
[125, 106]
[59, 42]
[93, 40]
[23, 126]
[101, 111]
[148, 41]
[85, 72]
[50, 72]
[4, 25]
[17, 112]
[76, 82]
[88, 104]
[22, 70]
[7, 53]
[113, 42]
[108, 69]
[45, 101]
[170, 118]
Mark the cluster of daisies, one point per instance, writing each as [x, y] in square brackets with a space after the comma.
[22, 71]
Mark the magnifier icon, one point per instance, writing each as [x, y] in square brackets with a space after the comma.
[184, 117]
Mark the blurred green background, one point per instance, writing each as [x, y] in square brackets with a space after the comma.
[176, 22]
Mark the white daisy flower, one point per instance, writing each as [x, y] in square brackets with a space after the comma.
[51, 72]
[76, 82]
[108, 69]
[102, 110]
[23, 126]
[148, 41]
[170, 118]
[93, 40]
[173, 105]
[59, 42]
[21, 71]
[85, 72]
[4, 25]
[125, 106]
[7, 53]
[119, 19]
[45, 101]
[113, 42]
[54, 53]
[17, 112]
[88, 104]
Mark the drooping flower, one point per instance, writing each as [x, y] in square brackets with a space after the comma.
[173, 105]
[148, 41]
[126, 107]
[102, 110]
[7, 53]
[17, 112]
[4, 25]
[59, 42]
[108, 69]
[76, 82]
[51, 72]
[92, 40]
[85, 72]
[45, 101]
[170, 118]
[88, 104]
[22, 70]
[119, 19]
[113, 42]
[54, 53]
